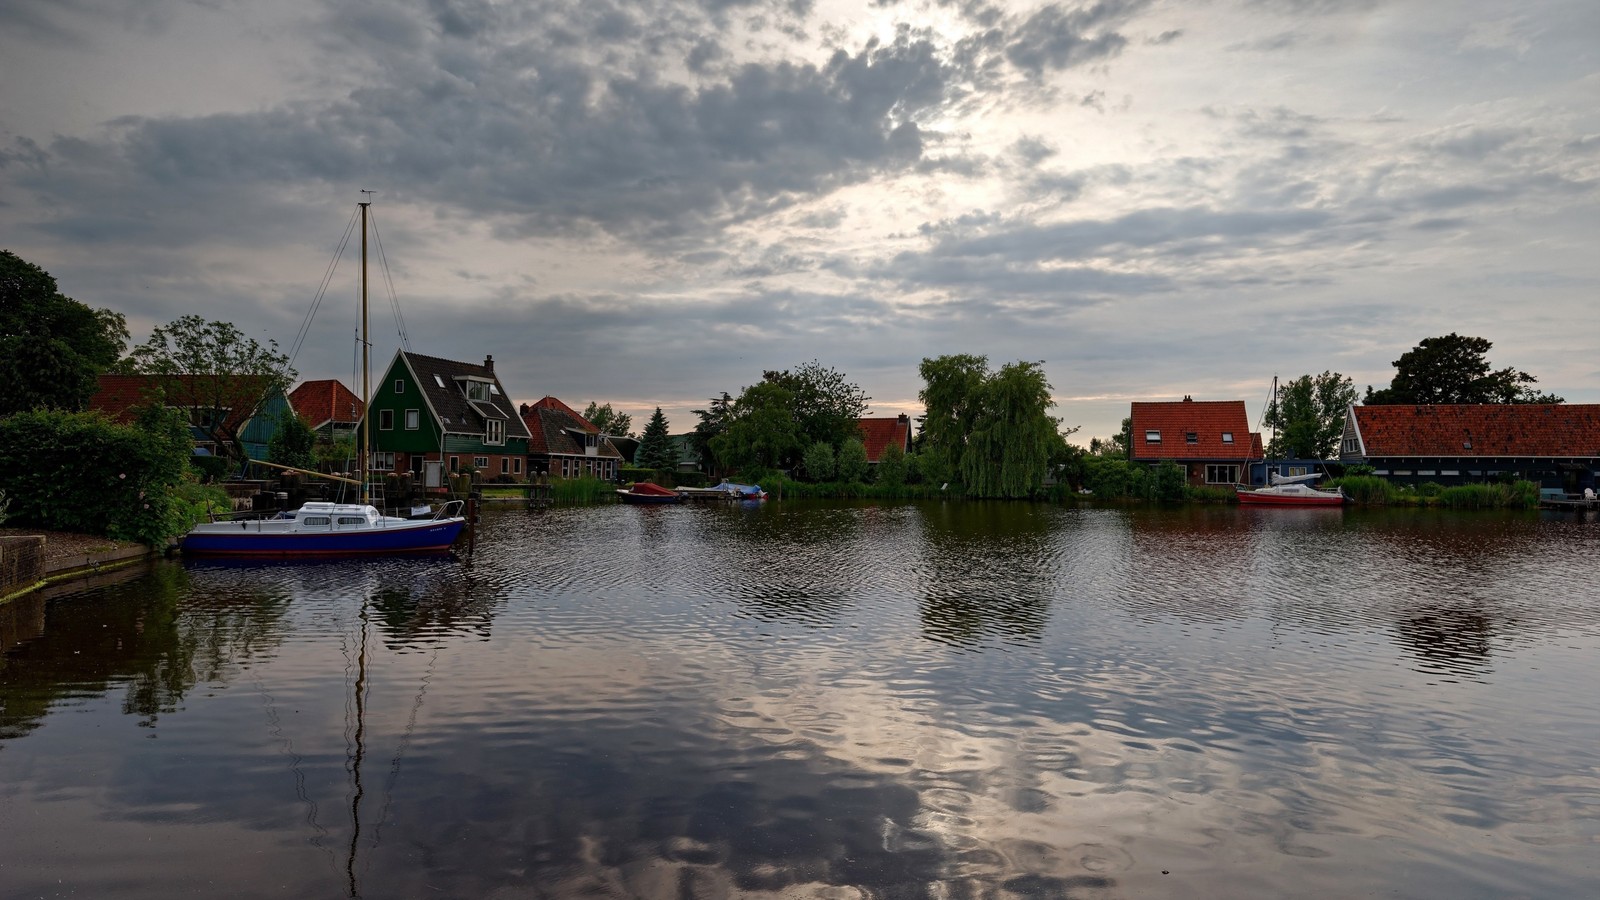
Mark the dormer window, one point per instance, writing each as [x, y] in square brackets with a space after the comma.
[477, 390]
[1153, 436]
[494, 431]
[1191, 437]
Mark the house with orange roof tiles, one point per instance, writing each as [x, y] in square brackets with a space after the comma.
[563, 444]
[1210, 439]
[881, 433]
[329, 409]
[224, 413]
[1556, 445]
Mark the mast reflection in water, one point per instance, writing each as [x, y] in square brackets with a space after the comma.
[826, 699]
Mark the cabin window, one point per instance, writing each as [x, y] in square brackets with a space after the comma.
[480, 462]
[1227, 437]
[413, 419]
[1153, 436]
[455, 464]
[316, 520]
[385, 420]
[494, 431]
[1222, 474]
[382, 461]
[351, 520]
[399, 385]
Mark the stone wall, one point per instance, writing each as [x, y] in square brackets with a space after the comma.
[21, 563]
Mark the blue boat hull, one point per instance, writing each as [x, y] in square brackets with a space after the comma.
[422, 537]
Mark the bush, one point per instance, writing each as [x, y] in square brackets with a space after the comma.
[852, 462]
[82, 472]
[818, 463]
[1430, 489]
[892, 468]
[1168, 482]
[1209, 493]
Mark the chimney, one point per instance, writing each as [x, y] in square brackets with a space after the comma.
[488, 361]
[904, 419]
[1188, 399]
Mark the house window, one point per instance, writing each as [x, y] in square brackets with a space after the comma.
[439, 381]
[1222, 474]
[480, 462]
[1191, 437]
[455, 464]
[505, 465]
[382, 461]
[1227, 437]
[385, 420]
[590, 440]
[1351, 445]
[1153, 436]
[516, 465]
[477, 390]
[413, 420]
[1297, 470]
[494, 431]
[399, 385]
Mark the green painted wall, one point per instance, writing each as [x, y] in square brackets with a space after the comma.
[260, 429]
[425, 438]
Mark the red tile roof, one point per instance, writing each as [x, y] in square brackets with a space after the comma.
[1536, 429]
[1207, 420]
[321, 402]
[879, 433]
[549, 421]
[118, 396]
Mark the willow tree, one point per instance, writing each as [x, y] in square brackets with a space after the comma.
[989, 430]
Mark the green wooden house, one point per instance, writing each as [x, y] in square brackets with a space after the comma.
[431, 416]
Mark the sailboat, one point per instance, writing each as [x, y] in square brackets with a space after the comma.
[1287, 490]
[328, 529]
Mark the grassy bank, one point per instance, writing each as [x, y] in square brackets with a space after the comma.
[1370, 490]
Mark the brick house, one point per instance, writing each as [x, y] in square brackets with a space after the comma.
[429, 416]
[328, 407]
[1211, 439]
[564, 444]
[1554, 444]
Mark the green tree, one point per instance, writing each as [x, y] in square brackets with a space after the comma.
[51, 346]
[610, 422]
[213, 370]
[852, 463]
[951, 392]
[893, 468]
[761, 431]
[818, 462]
[292, 442]
[656, 450]
[714, 420]
[1307, 417]
[1453, 369]
[989, 430]
[825, 405]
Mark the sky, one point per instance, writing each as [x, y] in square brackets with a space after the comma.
[649, 203]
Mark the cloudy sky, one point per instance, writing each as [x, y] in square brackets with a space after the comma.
[647, 203]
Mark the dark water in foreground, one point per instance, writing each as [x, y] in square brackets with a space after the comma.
[828, 700]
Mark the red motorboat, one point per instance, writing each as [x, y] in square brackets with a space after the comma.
[649, 493]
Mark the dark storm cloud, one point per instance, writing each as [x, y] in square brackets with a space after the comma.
[537, 136]
[1057, 38]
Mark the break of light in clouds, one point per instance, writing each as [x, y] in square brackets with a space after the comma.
[648, 203]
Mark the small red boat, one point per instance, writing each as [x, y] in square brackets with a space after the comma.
[648, 492]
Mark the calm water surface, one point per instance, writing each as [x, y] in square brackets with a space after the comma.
[827, 700]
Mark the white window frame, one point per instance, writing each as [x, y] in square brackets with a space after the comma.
[1227, 437]
[1152, 435]
[516, 465]
[494, 431]
[413, 419]
[385, 420]
[399, 385]
[480, 462]
[378, 459]
[1231, 470]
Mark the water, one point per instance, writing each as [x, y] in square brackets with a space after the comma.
[828, 700]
